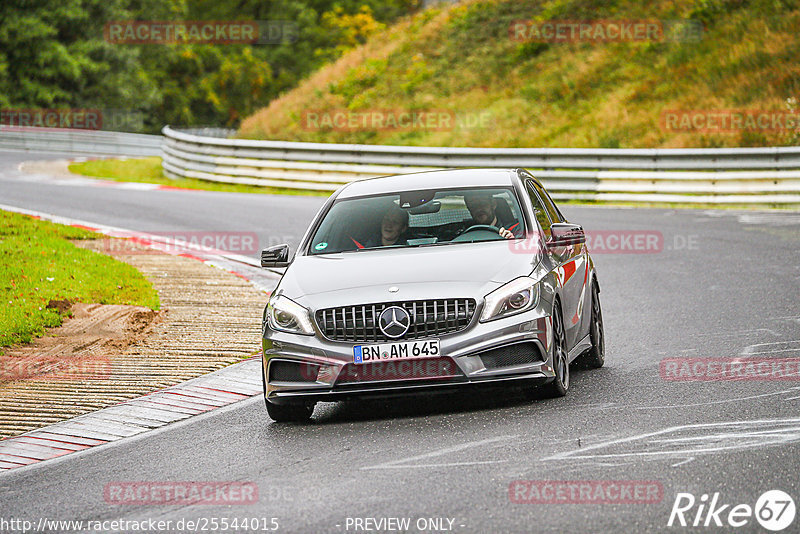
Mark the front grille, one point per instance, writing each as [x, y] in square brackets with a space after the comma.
[517, 354]
[428, 318]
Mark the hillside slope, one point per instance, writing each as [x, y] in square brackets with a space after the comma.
[494, 84]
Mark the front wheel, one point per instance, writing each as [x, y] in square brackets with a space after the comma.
[560, 384]
[290, 413]
[595, 357]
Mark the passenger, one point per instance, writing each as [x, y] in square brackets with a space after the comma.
[393, 226]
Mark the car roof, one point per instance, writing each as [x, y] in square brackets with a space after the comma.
[444, 179]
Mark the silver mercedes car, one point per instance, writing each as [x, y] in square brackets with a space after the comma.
[426, 282]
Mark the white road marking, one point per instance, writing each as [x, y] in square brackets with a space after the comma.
[712, 437]
[751, 349]
[449, 464]
[739, 333]
[723, 401]
[770, 219]
[398, 464]
[793, 349]
[686, 461]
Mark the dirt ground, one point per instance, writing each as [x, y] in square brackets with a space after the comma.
[81, 347]
[106, 354]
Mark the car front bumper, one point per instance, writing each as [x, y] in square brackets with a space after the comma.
[507, 351]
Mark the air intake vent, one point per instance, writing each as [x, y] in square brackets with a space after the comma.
[517, 354]
[282, 371]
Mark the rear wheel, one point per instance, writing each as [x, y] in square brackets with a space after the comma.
[560, 384]
[290, 413]
[595, 357]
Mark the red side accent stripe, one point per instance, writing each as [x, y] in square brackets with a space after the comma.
[569, 270]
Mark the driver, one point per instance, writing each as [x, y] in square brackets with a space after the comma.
[483, 208]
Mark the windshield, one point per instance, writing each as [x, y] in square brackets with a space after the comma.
[419, 218]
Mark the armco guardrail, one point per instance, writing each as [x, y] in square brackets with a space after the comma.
[83, 142]
[728, 175]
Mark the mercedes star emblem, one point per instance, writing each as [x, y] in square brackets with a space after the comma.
[394, 322]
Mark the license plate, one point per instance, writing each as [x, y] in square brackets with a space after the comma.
[399, 350]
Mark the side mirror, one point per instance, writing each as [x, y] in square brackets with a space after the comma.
[277, 256]
[565, 234]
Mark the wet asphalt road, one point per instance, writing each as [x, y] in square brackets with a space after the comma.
[723, 285]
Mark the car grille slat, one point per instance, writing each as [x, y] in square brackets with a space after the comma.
[364, 318]
[432, 317]
[351, 331]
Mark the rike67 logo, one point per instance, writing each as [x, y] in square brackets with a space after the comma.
[774, 510]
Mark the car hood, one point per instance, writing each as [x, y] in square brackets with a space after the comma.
[447, 271]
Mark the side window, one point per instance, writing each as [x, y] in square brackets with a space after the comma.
[539, 210]
[555, 215]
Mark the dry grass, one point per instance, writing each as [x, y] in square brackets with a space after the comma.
[460, 58]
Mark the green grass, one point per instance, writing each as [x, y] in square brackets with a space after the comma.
[460, 59]
[148, 170]
[38, 264]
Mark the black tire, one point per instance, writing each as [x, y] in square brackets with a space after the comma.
[285, 413]
[290, 413]
[560, 384]
[595, 357]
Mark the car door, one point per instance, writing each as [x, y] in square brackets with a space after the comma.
[571, 264]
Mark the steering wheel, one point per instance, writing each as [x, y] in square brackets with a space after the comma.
[484, 227]
[480, 232]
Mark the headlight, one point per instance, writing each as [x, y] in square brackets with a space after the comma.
[286, 315]
[515, 297]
